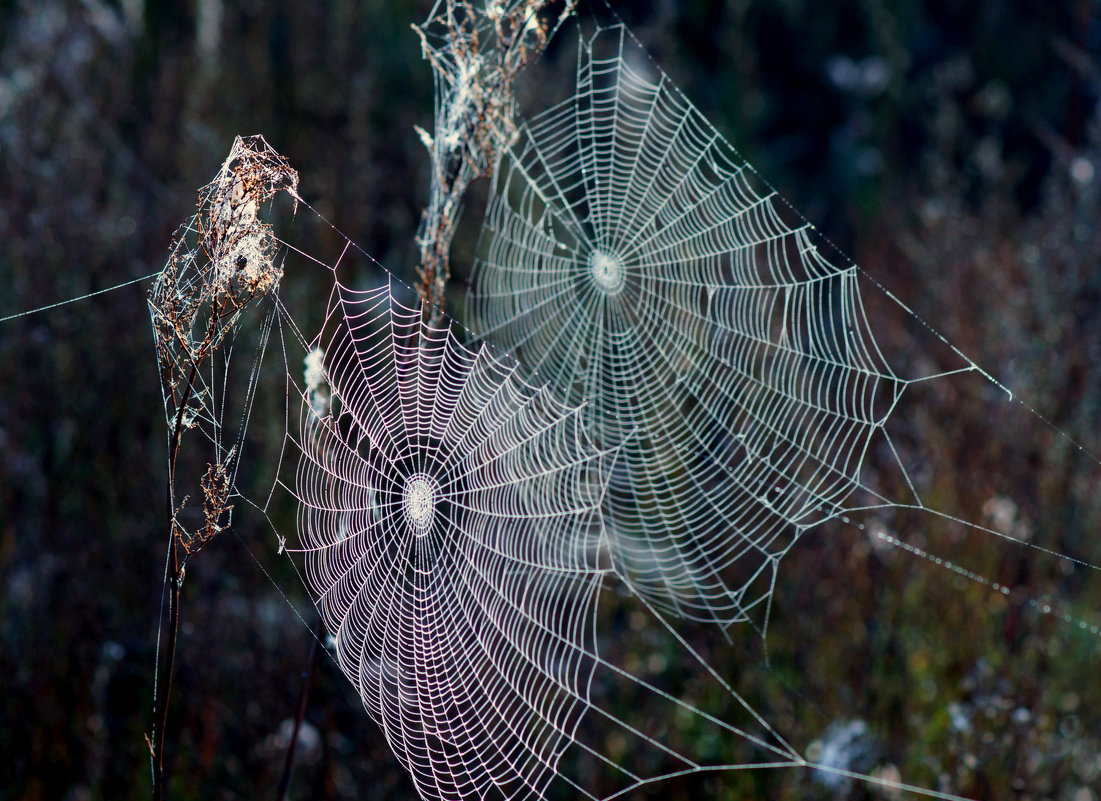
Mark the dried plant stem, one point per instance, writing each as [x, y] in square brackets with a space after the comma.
[220, 262]
[300, 713]
[174, 582]
[476, 55]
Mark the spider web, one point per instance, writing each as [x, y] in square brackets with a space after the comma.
[706, 388]
[449, 521]
[450, 526]
[449, 518]
[451, 529]
[634, 261]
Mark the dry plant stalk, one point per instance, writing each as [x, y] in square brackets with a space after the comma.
[201, 291]
[216, 486]
[475, 56]
[220, 261]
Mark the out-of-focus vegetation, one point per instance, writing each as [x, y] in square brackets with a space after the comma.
[953, 149]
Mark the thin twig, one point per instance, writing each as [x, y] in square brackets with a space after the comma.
[300, 714]
[174, 579]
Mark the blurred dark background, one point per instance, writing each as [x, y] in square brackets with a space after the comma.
[951, 148]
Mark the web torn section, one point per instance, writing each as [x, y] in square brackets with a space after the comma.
[221, 261]
[449, 516]
[222, 257]
[634, 261]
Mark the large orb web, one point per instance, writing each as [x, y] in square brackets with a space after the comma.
[449, 515]
[632, 259]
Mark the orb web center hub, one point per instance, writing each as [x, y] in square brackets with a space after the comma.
[421, 494]
[607, 272]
